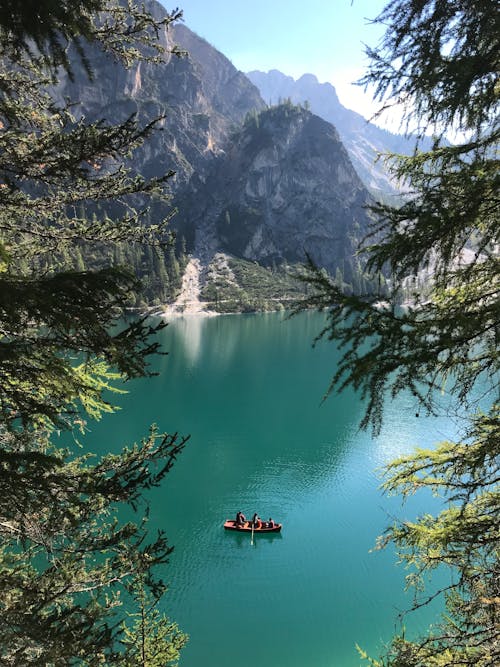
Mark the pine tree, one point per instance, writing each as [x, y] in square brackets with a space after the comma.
[64, 554]
[160, 273]
[441, 59]
[151, 639]
[173, 269]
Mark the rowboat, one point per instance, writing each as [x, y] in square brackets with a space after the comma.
[230, 524]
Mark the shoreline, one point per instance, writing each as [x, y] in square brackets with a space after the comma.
[167, 314]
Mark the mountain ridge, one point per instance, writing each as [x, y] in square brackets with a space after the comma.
[364, 140]
[281, 174]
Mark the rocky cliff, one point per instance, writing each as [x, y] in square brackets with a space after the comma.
[283, 189]
[268, 185]
[364, 140]
[201, 95]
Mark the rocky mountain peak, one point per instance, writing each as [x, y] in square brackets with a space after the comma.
[265, 184]
[363, 140]
[284, 189]
[308, 80]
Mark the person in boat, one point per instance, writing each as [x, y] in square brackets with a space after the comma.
[240, 519]
[270, 523]
[256, 522]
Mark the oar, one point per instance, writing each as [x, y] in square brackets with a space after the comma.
[251, 542]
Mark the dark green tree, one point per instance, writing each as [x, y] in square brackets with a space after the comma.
[152, 640]
[439, 58]
[65, 554]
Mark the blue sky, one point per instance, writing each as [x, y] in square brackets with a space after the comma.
[322, 37]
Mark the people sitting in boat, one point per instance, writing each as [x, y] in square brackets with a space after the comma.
[256, 521]
[240, 519]
[270, 523]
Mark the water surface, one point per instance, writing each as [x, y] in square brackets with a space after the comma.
[249, 388]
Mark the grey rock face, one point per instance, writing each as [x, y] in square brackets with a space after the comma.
[201, 96]
[364, 140]
[268, 185]
[285, 189]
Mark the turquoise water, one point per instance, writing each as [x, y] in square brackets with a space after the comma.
[248, 389]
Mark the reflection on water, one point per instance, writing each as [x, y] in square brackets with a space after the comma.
[249, 390]
[188, 335]
[243, 540]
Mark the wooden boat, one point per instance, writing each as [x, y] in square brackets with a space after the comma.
[230, 524]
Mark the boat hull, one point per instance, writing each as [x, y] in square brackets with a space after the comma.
[230, 524]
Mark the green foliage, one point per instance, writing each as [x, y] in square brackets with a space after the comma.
[66, 550]
[65, 554]
[246, 286]
[448, 341]
[123, 29]
[464, 536]
[258, 123]
[157, 267]
[48, 321]
[151, 639]
[249, 287]
[449, 228]
[441, 59]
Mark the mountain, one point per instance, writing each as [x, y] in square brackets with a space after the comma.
[202, 96]
[283, 189]
[265, 185]
[363, 140]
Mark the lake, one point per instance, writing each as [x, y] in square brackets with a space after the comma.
[249, 388]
